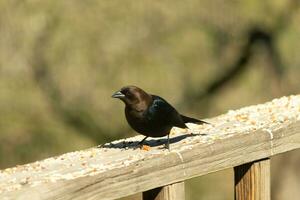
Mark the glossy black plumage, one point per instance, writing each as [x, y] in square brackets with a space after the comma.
[151, 115]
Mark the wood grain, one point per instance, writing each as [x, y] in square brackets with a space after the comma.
[118, 169]
[173, 191]
[252, 181]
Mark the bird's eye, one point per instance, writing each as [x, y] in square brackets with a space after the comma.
[129, 95]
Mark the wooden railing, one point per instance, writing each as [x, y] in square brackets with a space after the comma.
[244, 139]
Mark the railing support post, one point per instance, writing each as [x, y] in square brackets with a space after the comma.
[169, 192]
[252, 180]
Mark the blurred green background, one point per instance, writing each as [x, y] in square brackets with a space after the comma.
[60, 61]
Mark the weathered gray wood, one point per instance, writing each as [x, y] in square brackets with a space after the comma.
[252, 181]
[114, 171]
[173, 191]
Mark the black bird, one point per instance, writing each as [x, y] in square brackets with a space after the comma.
[151, 115]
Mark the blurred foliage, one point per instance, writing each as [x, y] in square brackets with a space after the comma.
[60, 61]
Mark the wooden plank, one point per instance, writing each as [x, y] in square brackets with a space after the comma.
[252, 181]
[118, 170]
[173, 191]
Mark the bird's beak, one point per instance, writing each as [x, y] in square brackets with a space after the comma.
[118, 95]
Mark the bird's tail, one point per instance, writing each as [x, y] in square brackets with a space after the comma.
[192, 120]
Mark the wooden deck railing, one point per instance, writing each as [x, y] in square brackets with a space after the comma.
[244, 139]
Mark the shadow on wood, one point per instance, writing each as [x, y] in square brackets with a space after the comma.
[169, 192]
[152, 142]
[252, 180]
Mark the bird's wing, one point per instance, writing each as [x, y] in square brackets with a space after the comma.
[160, 107]
[165, 112]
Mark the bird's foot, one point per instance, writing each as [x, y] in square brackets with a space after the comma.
[167, 146]
[140, 145]
[164, 147]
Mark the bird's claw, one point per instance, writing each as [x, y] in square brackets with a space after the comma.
[139, 145]
[167, 146]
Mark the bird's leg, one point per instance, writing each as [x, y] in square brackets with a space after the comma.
[142, 141]
[168, 142]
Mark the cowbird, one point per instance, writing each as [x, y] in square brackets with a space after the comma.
[151, 115]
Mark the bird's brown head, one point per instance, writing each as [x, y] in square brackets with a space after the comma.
[133, 97]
